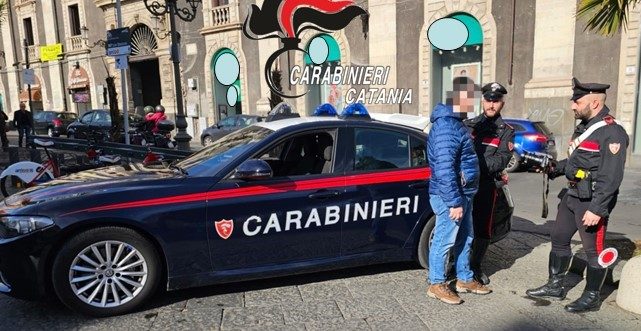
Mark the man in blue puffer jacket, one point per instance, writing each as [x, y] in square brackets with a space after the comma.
[454, 181]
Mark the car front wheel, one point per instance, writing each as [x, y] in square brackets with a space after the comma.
[106, 271]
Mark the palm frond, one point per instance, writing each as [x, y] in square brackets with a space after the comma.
[3, 6]
[606, 17]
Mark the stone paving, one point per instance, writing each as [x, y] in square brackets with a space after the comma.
[383, 297]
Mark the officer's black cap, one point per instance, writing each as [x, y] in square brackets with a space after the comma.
[493, 91]
[583, 89]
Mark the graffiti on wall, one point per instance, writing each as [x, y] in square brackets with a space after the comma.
[551, 117]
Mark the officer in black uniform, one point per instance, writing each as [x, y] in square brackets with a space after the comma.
[493, 141]
[594, 170]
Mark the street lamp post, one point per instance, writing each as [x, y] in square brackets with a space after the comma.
[187, 14]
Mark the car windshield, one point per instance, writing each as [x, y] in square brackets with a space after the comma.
[216, 155]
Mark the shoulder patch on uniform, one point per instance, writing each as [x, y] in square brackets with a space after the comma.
[615, 148]
[609, 119]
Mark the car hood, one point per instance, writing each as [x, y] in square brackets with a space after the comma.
[86, 183]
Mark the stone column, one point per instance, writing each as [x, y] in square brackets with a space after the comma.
[547, 93]
[382, 42]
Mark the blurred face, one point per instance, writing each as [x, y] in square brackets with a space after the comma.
[23, 106]
[464, 98]
[492, 108]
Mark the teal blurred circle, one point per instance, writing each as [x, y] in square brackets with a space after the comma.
[232, 95]
[447, 34]
[318, 50]
[227, 69]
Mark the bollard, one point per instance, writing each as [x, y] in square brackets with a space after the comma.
[629, 293]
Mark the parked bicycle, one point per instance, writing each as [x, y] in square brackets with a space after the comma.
[27, 173]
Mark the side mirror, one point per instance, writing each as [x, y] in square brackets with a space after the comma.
[253, 169]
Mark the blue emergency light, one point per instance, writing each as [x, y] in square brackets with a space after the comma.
[355, 110]
[325, 109]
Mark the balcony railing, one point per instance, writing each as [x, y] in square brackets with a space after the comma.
[224, 16]
[75, 43]
[34, 54]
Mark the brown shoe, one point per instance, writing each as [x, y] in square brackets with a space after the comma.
[472, 287]
[443, 293]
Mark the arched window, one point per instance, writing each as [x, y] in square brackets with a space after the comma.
[324, 93]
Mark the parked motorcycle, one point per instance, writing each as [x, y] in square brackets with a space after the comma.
[142, 134]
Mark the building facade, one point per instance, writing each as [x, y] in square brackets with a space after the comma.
[72, 81]
[533, 47]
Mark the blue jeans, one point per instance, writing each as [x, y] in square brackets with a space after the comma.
[448, 233]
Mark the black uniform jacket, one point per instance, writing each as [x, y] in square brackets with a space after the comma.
[493, 141]
[602, 155]
[22, 119]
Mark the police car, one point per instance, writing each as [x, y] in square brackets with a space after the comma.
[275, 198]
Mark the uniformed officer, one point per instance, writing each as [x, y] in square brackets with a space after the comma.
[594, 170]
[493, 141]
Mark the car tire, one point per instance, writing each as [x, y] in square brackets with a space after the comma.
[208, 140]
[515, 163]
[85, 281]
[422, 251]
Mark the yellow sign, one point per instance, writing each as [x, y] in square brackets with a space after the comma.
[50, 52]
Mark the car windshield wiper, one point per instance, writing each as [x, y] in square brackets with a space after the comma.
[173, 166]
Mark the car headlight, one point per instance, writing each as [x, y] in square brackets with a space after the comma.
[13, 226]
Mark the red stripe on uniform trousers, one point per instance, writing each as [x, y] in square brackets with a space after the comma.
[600, 236]
[301, 185]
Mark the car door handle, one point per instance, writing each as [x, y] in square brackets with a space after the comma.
[418, 185]
[324, 194]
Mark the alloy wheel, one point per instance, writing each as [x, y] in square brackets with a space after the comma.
[108, 274]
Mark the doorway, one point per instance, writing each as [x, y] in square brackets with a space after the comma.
[145, 83]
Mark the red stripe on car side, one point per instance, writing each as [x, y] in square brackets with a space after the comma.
[301, 185]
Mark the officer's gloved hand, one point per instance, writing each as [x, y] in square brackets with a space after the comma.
[553, 170]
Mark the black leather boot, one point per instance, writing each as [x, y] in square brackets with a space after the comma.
[558, 267]
[479, 248]
[590, 300]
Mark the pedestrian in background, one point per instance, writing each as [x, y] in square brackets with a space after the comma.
[594, 170]
[3, 128]
[493, 142]
[454, 181]
[22, 121]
